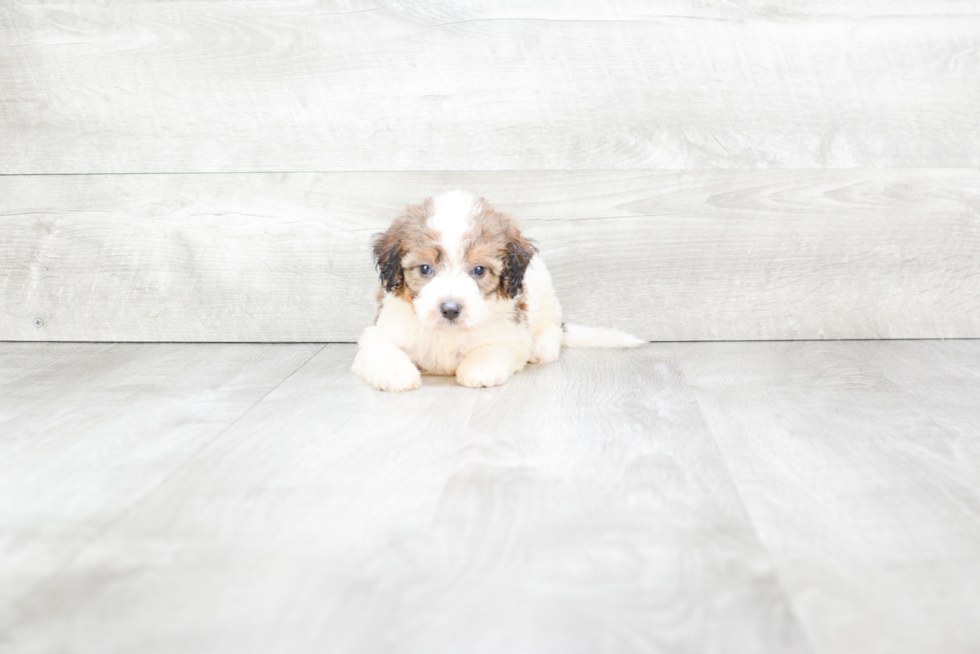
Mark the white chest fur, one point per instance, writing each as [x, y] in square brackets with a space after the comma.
[439, 351]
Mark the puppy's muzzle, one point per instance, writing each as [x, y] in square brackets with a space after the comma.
[450, 310]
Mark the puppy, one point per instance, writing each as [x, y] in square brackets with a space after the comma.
[463, 293]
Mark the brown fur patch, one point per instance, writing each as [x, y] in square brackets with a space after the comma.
[429, 255]
[380, 297]
[409, 234]
[520, 312]
[490, 256]
[495, 237]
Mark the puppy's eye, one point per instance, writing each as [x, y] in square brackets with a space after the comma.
[478, 271]
[425, 270]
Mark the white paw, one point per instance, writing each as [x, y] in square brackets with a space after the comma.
[545, 350]
[483, 373]
[394, 378]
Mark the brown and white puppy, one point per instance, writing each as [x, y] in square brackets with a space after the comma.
[463, 293]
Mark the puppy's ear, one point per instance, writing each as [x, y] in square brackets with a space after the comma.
[388, 258]
[517, 256]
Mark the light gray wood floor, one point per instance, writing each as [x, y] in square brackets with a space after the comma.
[682, 497]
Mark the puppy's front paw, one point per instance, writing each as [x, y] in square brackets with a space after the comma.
[482, 373]
[394, 378]
[545, 350]
[401, 378]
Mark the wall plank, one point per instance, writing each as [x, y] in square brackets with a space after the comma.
[698, 255]
[288, 86]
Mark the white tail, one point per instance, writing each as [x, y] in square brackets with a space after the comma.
[579, 336]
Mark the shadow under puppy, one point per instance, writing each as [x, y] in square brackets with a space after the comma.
[463, 293]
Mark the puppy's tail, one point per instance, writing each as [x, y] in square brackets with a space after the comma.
[579, 336]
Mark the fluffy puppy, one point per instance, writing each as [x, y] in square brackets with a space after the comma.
[463, 293]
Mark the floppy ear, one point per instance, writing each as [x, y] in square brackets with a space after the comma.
[517, 256]
[388, 258]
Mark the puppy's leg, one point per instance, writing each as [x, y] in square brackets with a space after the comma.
[547, 345]
[543, 313]
[384, 365]
[487, 365]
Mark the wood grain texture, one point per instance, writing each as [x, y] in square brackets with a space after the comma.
[580, 508]
[296, 86]
[88, 430]
[697, 255]
[859, 465]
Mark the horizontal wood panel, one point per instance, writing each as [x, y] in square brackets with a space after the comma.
[290, 86]
[711, 255]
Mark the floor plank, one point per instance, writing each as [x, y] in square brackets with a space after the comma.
[87, 430]
[130, 87]
[709, 255]
[809, 496]
[859, 464]
[582, 507]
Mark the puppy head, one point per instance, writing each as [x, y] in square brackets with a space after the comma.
[454, 258]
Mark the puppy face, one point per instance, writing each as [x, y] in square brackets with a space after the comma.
[452, 257]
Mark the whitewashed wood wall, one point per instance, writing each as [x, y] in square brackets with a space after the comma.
[212, 171]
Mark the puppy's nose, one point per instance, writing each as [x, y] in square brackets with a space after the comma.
[450, 310]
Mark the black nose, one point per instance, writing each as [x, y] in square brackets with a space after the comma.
[450, 310]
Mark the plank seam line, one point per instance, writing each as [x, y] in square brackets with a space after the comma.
[658, 18]
[22, 605]
[352, 342]
[170, 342]
[429, 171]
[776, 576]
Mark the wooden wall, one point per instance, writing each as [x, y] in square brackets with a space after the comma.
[212, 171]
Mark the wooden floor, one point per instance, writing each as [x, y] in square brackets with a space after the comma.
[699, 497]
